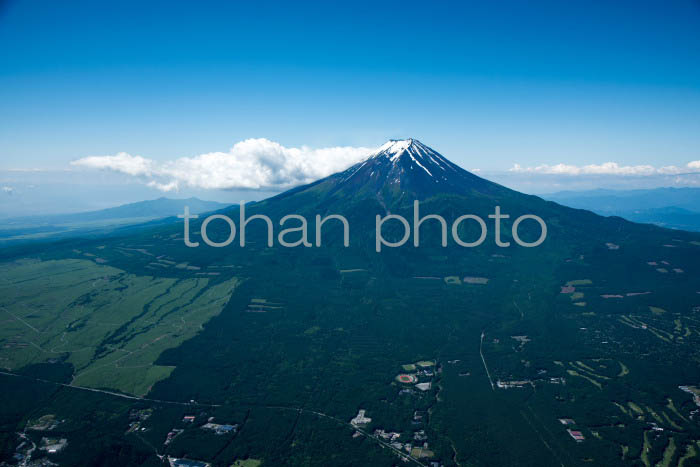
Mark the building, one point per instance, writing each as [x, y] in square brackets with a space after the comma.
[219, 429]
[360, 419]
[424, 386]
[420, 435]
[387, 435]
[512, 384]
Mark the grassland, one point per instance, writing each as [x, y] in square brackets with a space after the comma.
[109, 325]
[645, 450]
[247, 463]
[669, 452]
[590, 380]
[579, 282]
[690, 453]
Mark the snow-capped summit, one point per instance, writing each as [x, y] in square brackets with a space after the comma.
[417, 154]
[410, 167]
[394, 146]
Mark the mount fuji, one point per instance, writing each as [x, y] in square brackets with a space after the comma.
[342, 355]
[400, 169]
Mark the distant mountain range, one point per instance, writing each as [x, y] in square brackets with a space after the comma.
[61, 225]
[674, 208]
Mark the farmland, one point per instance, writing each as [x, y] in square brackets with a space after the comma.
[110, 326]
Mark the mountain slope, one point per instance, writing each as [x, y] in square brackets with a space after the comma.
[477, 352]
[402, 171]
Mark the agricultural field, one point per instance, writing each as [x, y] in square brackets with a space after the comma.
[109, 326]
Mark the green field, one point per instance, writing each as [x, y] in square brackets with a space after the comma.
[109, 325]
[247, 463]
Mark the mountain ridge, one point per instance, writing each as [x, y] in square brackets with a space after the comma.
[159, 207]
[54, 226]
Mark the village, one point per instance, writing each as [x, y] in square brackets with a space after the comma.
[216, 428]
[416, 379]
[47, 444]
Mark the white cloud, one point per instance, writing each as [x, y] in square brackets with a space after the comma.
[121, 162]
[8, 190]
[253, 163]
[170, 186]
[607, 168]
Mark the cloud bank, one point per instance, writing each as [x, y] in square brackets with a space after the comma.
[607, 168]
[261, 164]
[250, 164]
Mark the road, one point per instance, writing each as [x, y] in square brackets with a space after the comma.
[481, 344]
[28, 455]
[399, 452]
[109, 393]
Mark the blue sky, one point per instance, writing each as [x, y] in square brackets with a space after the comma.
[488, 85]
